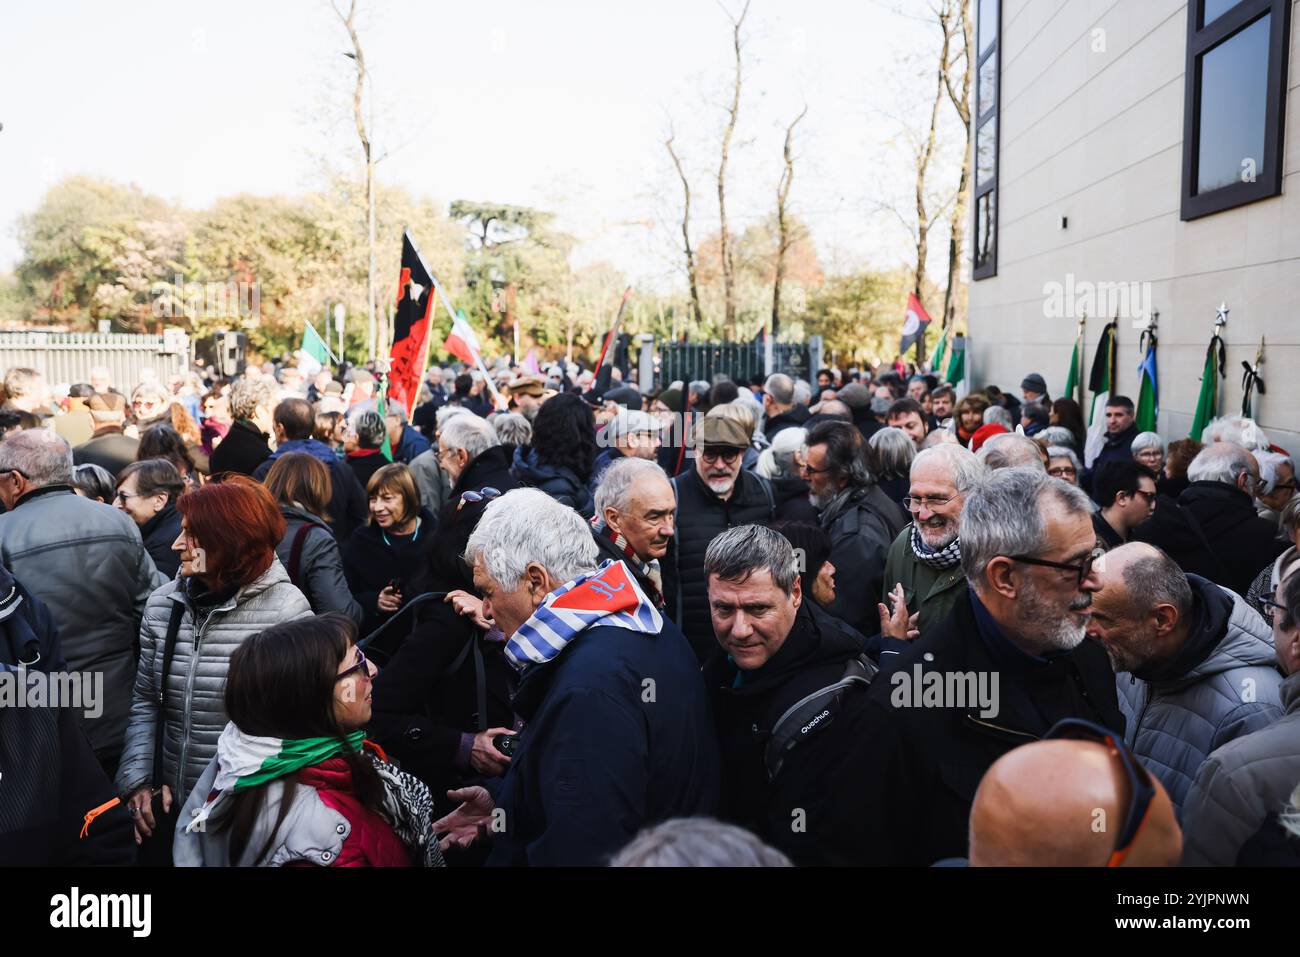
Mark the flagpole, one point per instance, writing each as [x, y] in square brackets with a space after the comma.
[451, 311]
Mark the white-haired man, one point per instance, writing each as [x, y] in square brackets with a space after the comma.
[925, 559]
[630, 434]
[635, 508]
[617, 732]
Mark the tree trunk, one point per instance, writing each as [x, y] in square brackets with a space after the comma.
[960, 102]
[783, 224]
[728, 264]
[922, 217]
[686, 237]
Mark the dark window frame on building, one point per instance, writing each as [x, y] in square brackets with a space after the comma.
[987, 188]
[1202, 38]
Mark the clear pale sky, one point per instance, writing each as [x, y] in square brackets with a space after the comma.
[562, 104]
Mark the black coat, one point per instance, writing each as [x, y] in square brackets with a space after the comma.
[792, 418]
[112, 451]
[364, 466]
[1233, 544]
[818, 777]
[558, 481]
[862, 529]
[49, 779]
[242, 450]
[489, 469]
[924, 763]
[600, 758]
[792, 504]
[370, 563]
[28, 634]
[423, 710]
[701, 516]
[1118, 448]
[159, 533]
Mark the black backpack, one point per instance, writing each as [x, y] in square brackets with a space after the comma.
[814, 712]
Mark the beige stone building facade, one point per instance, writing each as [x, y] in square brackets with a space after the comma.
[1139, 156]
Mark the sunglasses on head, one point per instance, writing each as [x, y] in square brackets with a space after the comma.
[484, 494]
[1142, 790]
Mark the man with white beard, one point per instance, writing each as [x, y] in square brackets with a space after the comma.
[925, 559]
[1027, 550]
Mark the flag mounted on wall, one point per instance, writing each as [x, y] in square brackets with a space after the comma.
[1074, 381]
[1207, 402]
[957, 364]
[1148, 403]
[415, 302]
[1100, 383]
[914, 324]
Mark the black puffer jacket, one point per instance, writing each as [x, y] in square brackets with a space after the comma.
[558, 481]
[159, 534]
[824, 766]
[1214, 532]
[701, 516]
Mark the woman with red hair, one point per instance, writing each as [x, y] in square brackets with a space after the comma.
[230, 586]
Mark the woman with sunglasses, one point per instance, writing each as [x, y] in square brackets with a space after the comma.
[148, 491]
[386, 562]
[230, 586]
[294, 783]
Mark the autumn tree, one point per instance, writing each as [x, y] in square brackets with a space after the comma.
[784, 238]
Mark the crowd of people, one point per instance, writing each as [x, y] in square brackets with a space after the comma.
[546, 618]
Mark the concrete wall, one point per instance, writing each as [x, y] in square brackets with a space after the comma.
[1097, 137]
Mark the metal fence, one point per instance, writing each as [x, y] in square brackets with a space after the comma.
[739, 360]
[67, 357]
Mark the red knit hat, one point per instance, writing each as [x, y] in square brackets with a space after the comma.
[984, 433]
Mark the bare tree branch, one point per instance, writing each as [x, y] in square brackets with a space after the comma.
[782, 223]
[686, 232]
[728, 263]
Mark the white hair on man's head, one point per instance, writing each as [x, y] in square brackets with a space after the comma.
[996, 414]
[447, 411]
[470, 433]
[1237, 430]
[960, 462]
[39, 454]
[1268, 466]
[802, 392]
[616, 482]
[526, 526]
[1221, 462]
[777, 460]
[1008, 450]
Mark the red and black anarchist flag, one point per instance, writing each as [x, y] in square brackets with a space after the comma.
[415, 298]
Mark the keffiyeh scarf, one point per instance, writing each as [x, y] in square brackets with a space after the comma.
[608, 597]
[945, 558]
[650, 571]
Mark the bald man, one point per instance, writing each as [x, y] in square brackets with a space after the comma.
[1194, 662]
[1214, 532]
[1062, 803]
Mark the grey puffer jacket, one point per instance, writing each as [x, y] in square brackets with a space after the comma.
[195, 705]
[86, 561]
[1222, 684]
[1240, 785]
[319, 572]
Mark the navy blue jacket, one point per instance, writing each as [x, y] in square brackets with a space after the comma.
[618, 737]
[412, 444]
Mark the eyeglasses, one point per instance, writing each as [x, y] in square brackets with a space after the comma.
[1148, 497]
[361, 668]
[1061, 471]
[1083, 569]
[485, 494]
[1142, 790]
[123, 495]
[806, 469]
[1271, 605]
[727, 455]
[914, 503]
[1288, 486]
[19, 472]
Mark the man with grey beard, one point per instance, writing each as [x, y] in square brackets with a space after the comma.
[1027, 550]
[925, 559]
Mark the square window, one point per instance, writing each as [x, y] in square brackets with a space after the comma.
[986, 151]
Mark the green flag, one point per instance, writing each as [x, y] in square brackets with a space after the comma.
[936, 364]
[386, 449]
[1102, 379]
[1207, 403]
[1072, 380]
[1148, 407]
[314, 345]
[957, 364]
